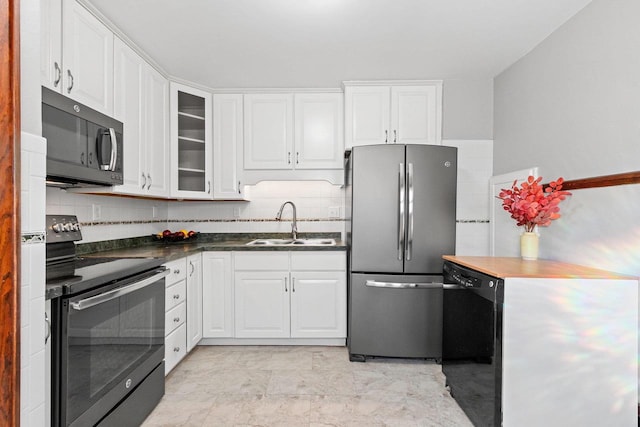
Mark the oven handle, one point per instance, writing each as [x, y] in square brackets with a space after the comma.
[117, 293]
[430, 285]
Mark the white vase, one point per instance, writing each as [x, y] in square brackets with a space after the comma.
[529, 246]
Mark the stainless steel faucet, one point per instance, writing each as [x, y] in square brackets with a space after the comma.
[294, 221]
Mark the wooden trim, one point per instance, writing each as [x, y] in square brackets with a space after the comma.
[602, 181]
[9, 212]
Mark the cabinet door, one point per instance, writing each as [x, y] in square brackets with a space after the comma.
[51, 44]
[268, 131]
[227, 147]
[217, 295]
[319, 142]
[318, 304]
[262, 304]
[415, 115]
[366, 115]
[87, 57]
[191, 157]
[194, 301]
[156, 130]
[128, 100]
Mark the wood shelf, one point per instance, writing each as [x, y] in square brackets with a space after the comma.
[602, 181]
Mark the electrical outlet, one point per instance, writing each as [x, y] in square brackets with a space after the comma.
[334, 212]
[96, 212]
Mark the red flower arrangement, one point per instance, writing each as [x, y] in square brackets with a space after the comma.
[532, 204]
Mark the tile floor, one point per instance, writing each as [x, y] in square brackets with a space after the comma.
[302, 386]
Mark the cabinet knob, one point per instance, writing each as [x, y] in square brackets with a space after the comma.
[176, 271]
[176, 296]
[176, 349]
[176, 319]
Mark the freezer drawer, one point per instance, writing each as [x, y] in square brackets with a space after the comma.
[395, 316]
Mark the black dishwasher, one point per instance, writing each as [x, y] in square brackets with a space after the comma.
[472, 342]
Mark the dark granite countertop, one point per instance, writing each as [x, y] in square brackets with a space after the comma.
[204, 242]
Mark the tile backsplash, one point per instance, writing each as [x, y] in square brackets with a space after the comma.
[320, 207]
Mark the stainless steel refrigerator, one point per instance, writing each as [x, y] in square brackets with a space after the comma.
[401, 219]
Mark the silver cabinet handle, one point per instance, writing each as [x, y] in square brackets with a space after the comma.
[394, 285]
[48, 325]
[117, 293]
[386, 136]
[289, 157]
[144, 181]
[70, 76]
[395, 136]
[239, 191]
[401, 191]
[410, 213]
[297, 157]
[150, 181]
[193, 268]
[208, 187]
[285, 284]
[293, 284]
[58, 74]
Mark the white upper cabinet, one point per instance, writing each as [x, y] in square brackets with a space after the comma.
[268, 131]
[51, 44]
[141, 101]
[394, 113]
[85, 70]
[191, 144]
[319, 142]
[293, 136]
[227, 146]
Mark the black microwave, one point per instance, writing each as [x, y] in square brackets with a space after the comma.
[84, 146]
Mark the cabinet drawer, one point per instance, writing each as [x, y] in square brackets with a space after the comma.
[175, 348]
[262, 261]
[175, 294]
[318, 261]
[175, 317]
[178, 271]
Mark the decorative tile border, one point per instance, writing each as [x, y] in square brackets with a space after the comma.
[165, 221]
[32, 238]
[472, 221]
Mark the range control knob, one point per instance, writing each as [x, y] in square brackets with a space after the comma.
[75, 226]
[57, 228]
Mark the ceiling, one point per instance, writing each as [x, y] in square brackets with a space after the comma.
[320, 43]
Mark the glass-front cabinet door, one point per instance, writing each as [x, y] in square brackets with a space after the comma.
[191, 143]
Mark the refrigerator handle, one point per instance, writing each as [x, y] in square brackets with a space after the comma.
[409, 246]
[401, 225]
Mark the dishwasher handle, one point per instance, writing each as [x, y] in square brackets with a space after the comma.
[395, 285]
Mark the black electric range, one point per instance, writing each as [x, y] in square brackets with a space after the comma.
[67, 274]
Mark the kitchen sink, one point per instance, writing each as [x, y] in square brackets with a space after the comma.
[292, 242]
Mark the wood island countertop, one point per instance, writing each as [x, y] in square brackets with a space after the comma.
[504, 267]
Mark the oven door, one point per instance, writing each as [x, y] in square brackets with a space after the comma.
[109, 340]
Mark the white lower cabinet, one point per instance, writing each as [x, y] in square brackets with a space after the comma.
[217, 295]
[183, 309]
[290, 294]
[194, 300]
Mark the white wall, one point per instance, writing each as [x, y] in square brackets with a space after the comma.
[571, 107]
